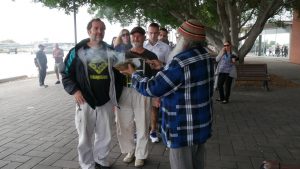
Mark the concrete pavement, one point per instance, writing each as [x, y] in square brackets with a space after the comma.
[37, 127]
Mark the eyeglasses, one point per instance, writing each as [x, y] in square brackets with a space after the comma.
[226, 45]
[125, 34]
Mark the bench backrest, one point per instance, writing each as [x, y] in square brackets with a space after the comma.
[252, 72]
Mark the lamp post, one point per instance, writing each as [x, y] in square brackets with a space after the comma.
[75, 25]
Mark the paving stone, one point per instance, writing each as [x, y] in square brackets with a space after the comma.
[17, 158]
[256, 125]
[31, 163]
[158, 149]
[63, 142]
[6, 140]
[51, 159]
[164, 167]
[25, 149]
[70, 155]
[12, 165]
[45, 167]
[2, 149]
[62, 150]
[245, 165]
[67, 164]
[221, 164]
[226, 149]
[44, 146]
[283, 153]
[22, 138]
[34, 153]
[7, 152]
[3, 163]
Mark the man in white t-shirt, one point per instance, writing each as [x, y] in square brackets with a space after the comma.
[162, 51]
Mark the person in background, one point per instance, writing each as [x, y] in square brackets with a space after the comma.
[185, 86]
[41, 63]
[162, 51]
[163, 35]
[134, 112]
[90, 77]
[122, 42]
[225, 72]
[58, 55]
[113, 41]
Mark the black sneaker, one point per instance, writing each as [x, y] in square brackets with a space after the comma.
[99, 166]
[57, 82]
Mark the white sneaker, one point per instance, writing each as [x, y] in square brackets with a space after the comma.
[128, 158]
[139, 162]
[153, 137]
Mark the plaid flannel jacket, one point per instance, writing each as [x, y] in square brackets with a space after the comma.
[186, 89]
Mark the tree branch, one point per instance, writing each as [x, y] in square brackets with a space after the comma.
[177, 15]
[223, 19]
[233, 20]
[247, 19]
[269, 9]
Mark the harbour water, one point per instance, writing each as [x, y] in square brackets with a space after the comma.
[13, 65]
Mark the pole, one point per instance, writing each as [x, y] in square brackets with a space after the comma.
[259, 45]
[75, 25]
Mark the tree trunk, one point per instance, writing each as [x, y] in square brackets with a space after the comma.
[266, 12]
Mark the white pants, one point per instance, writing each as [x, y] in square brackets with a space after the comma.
[134, 112]
[94, 130]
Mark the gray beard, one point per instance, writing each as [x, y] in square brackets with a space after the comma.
[94, 38]
[137, 45]
[180, 47]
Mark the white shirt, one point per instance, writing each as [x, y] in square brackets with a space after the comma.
[161, 50]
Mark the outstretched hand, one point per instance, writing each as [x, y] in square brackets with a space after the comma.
[129, 71]
[155, 64]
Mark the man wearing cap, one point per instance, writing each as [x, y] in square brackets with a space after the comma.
[41, 63]
[185, 86]
[135, 108]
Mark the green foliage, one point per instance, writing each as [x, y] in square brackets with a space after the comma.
[163, 11]
[224, 19]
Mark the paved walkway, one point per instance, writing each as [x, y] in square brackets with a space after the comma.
[37, 127]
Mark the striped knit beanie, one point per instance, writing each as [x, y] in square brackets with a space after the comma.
[192, 30]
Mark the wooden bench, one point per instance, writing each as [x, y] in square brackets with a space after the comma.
[253, 72]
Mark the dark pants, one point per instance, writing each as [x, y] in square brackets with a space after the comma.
[42, 76]
[224, 78]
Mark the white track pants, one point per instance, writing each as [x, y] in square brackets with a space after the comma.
[94, 130]
[134, 109]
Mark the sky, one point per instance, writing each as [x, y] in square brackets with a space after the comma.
[26, 22]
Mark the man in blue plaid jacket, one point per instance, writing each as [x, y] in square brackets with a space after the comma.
[185, 87]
